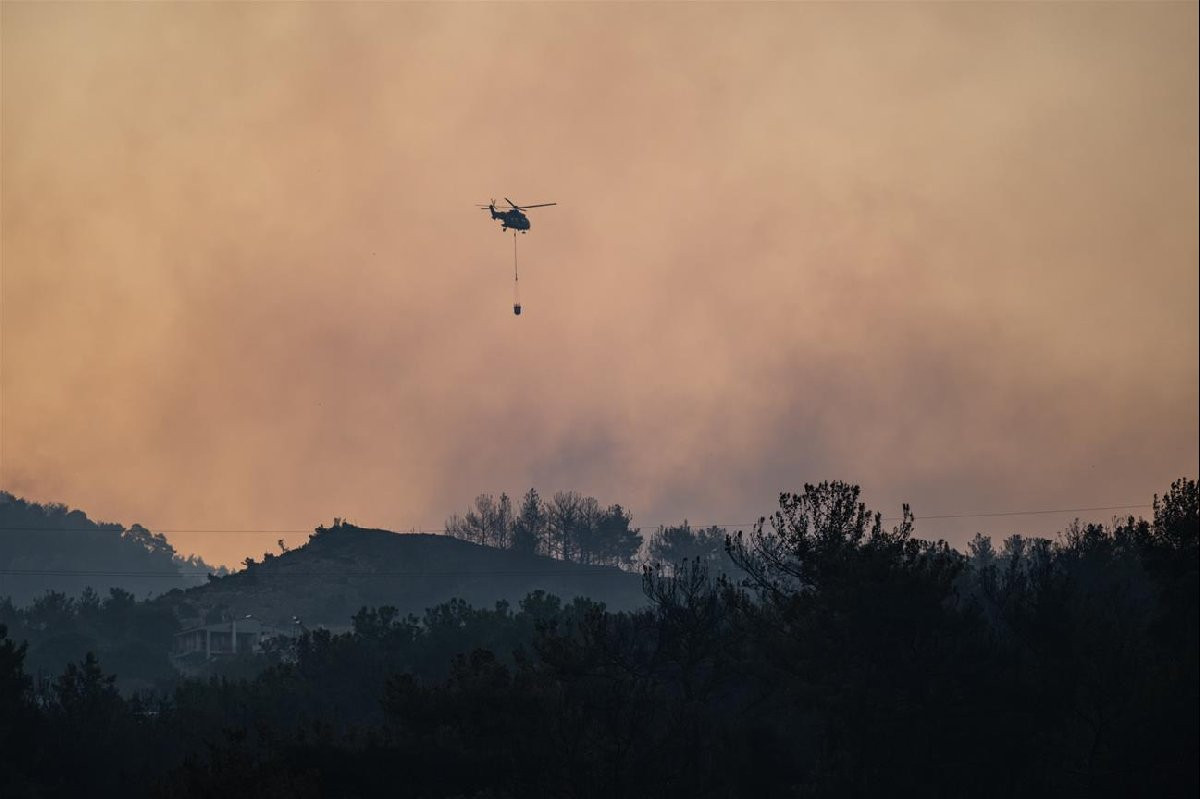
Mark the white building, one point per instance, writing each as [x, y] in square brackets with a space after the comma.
[226, 638]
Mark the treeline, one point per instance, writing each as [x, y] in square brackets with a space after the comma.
[133, 639]
[52, 547]
[578, 528]
[670, 547]
[569, 527]
[850, 659]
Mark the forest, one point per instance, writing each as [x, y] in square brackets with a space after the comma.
[47, 546]
[820, 654]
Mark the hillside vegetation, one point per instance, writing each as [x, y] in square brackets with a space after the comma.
[850, 659]
[52, 547]
[344, 568]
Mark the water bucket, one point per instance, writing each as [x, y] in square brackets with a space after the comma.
[517, 308]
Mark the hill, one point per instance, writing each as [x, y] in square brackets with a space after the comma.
[343, 568]
[50, 547]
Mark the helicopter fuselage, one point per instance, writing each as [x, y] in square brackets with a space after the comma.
[511, 219]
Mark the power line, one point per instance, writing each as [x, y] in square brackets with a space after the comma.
[584, 572]
[443, 530]
[153, 530]
[990, 514]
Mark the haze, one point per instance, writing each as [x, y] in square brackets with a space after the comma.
[947, 251]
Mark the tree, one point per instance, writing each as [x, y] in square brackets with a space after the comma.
[529, 527]
[501, 523]
[14, 682]
[1177, 517]
[812, 534]
[855, 619]
[489, 523]
[84, 692]
[670, 546]
[563, 519]
[618, 543]
[17, 715]
[588, 542]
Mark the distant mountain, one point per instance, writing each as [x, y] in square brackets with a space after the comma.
[343, 568]
[52, 547]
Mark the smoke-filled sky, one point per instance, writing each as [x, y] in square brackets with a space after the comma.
[946, 251]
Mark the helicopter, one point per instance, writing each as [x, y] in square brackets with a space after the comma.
[513, 218]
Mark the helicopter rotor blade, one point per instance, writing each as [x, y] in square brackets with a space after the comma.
[515, 206]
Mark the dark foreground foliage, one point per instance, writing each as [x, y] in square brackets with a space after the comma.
[853, 660]
[131, 638]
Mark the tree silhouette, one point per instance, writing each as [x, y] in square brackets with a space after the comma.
[846, 659]
[529, 527]
[672, 545]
